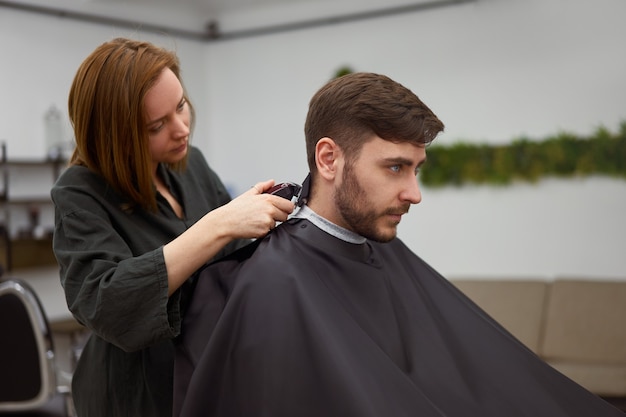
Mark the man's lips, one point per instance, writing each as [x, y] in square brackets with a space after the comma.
[396, 216]
[397, 213]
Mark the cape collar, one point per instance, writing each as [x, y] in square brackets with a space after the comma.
[329, 227]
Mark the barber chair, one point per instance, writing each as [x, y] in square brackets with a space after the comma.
[29, 379]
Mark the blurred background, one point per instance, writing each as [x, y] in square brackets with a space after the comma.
[492, 70]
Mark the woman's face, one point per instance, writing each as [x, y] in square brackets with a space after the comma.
[168, 119]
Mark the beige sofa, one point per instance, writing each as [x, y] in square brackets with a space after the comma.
[577, 326]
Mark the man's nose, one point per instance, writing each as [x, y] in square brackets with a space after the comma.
[412, 193]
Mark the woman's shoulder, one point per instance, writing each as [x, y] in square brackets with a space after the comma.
[78, 185]
[77, 175]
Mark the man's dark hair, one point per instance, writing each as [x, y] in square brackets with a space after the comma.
[353, 108]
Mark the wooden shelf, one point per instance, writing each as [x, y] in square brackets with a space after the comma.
[27, 253]
[26, 200]
[34, 162]
[30, 177]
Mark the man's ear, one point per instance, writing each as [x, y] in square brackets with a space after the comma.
[327, 157]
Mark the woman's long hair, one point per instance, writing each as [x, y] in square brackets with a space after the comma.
[106, 108]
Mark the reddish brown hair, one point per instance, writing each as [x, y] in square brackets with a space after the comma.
[106, 108]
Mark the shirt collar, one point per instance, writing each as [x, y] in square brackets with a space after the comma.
[305, 212]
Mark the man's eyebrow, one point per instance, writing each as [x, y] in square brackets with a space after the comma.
[399, 160]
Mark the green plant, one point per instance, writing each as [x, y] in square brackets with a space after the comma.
[563, 155]
[344, 70]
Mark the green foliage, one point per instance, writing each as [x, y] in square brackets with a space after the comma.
[345, 70]
[563, 155]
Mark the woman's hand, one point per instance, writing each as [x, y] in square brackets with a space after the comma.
[253, 214]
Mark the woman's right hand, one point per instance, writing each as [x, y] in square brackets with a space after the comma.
[253, 214]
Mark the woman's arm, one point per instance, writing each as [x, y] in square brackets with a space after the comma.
[251, 215]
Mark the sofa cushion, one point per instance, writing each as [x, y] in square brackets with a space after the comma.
[586, 322]
[518, 305]
[585, 334]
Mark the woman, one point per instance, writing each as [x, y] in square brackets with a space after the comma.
[137, 212]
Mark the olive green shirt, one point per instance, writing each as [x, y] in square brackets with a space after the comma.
[115, 281]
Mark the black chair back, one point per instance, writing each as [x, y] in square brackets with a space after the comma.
[27, 372]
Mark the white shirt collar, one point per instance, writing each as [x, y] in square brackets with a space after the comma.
[329, 227]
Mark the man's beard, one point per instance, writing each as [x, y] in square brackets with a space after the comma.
[357, 212]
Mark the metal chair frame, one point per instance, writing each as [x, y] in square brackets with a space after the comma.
[45, 350]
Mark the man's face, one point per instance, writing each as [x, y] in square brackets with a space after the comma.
[378, 187]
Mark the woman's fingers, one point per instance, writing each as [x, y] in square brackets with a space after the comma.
[263, 186]
[254, 214]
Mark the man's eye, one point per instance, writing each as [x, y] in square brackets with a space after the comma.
[395, 168]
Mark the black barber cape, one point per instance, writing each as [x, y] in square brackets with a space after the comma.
[303, 324]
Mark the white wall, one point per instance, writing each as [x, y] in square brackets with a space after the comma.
[492, 70]
[40, 55]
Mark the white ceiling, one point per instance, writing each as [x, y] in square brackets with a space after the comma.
[230, 18]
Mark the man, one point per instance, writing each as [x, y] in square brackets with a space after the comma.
[332, 315]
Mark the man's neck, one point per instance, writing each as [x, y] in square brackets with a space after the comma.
[329, 227]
